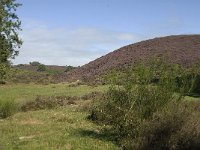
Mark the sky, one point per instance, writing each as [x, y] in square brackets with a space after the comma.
[75, 32]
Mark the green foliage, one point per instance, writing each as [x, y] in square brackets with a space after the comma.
[69, 68]
[192, 83]
[7, 108]
[48, 102]
[35, 63]
[3, 72]
[62, 128]
[189, 79]
[9, 27]
[52, 72]
[196, 85]
[134, 98]
[20, 65]
[41, 67]
[26, 76]
[194, 78]
[174, 128]
[59, 128]
[9, 39]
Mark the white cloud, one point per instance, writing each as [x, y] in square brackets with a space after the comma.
[69, 47]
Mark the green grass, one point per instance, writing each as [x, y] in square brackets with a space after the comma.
[59, 128]
[27, 92]
[190, 98]
[62, 128]
[7, 108]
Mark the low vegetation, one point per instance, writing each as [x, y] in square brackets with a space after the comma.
[8, 107]
[145, 108]
[69, 68]
[35, 72]
[51, 117]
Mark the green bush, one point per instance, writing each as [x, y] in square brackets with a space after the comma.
[191, 77]
[195, 90]
[69, 68]
[7, 108]
[3, 72]
[174, 128]
[48, 102]
[133, 91]
[41, 67]
[133, 100]
[192, 80]
[35, 63]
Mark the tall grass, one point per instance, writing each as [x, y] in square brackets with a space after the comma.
[7, 107]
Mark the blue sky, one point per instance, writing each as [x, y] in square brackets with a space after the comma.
[74, 32]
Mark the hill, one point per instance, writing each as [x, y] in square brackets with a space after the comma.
[36, 73]
[34, 68]
[181, 49]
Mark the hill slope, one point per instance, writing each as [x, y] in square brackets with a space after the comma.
[34, 68]
[181, 49]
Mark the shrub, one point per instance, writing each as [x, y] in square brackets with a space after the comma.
[48, 102]
[92, 96]
[35, 63]
[69, 68]
[195, 90]
[192, 81]
[4, 68]
[20, 65]
[41, 67]
[7, 108]
[191, 77]
[132, 91]
[133, 101]
[174, 128]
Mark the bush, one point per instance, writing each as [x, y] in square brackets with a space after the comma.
[174, 128]
[136, 109]
[48, 102]
[4, 68]
[192, 80]
[35, 63]
[191, 77]
[69, 68]
[195, 90]
[132, 91]
[7, 108]
[41, 67]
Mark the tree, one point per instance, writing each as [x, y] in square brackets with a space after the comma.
[9, 39]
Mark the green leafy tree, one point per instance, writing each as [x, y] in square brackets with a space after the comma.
[9, 38]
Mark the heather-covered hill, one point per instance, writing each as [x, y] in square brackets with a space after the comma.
[37, 73]
[181, 49]
[35, 67]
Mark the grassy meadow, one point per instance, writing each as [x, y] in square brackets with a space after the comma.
[35, 114]
[58, 128]
[28, 92]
